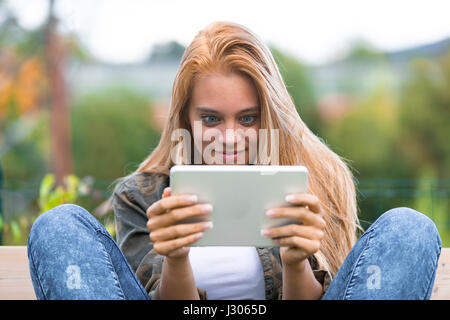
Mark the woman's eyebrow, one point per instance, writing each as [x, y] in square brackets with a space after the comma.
[255, 108]
[209, 110]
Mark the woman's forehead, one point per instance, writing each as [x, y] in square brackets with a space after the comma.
[224, 92]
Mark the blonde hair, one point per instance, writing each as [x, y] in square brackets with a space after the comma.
[230, 47]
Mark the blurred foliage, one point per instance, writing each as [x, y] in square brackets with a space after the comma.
[371, 123]
[425, 114]
[23, 85]
[366, 69]
[299, 86]
[76, 191]
[12, 35]
[26, 159]
[170, 51]
[24, 138]
[398, 135]
[112, 132]
[396, 138]
[22, 119]
[49, 198]
[362, 50]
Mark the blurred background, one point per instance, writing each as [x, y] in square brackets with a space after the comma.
[85, 87]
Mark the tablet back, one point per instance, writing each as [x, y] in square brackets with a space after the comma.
[240, 195]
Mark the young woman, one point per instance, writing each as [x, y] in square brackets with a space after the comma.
[228, 82]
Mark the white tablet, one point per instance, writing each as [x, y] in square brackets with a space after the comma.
[240, 196]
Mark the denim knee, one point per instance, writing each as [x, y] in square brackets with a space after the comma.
[408, 226]
[59, 220]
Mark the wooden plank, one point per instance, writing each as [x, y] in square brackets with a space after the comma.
[441, 289]
[15, 281]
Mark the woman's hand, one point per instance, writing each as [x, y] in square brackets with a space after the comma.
[298, 241]
[169, 238]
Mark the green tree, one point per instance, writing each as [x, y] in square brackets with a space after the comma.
[112, 133]
[170, 51]
[366, 135]
[425, 114]
[362, 69]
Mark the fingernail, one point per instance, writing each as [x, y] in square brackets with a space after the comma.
[208, 225]
[199, 235]
[289, 198]
[270, 213]
[264, 233]
[193, 198]
[207, 208]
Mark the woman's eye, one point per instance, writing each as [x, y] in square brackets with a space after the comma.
[209, 119]
[250, 119]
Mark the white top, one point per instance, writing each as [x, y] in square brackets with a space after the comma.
[228, 273]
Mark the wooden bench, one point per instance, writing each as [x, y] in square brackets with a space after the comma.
[15, 281]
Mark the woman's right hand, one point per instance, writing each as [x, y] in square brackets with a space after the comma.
[169, 238]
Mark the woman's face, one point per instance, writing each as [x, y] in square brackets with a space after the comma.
[222, 110]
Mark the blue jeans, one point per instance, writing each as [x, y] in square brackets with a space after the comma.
[72, 256]
[395, 259]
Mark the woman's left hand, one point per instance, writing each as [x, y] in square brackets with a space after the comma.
[298, 241]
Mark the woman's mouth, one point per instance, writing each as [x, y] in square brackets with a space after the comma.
[231, 155]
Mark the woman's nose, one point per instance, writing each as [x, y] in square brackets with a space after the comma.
[231, 135]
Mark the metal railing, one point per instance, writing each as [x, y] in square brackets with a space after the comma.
[430, 196]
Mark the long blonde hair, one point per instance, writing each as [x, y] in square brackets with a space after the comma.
[226, 46]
